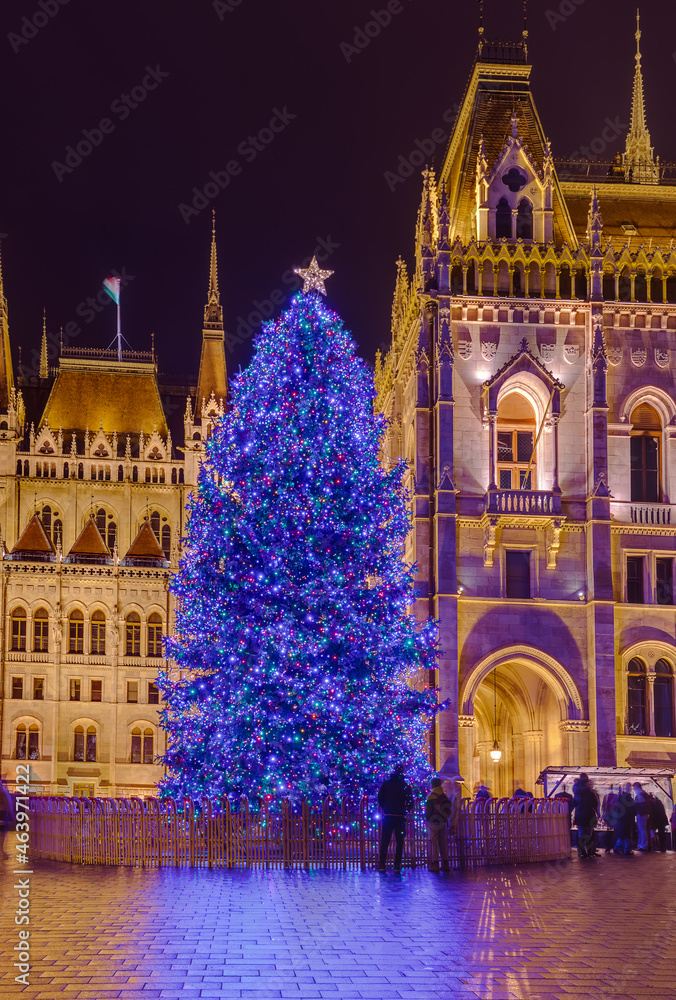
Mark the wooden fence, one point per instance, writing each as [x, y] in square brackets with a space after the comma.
[204, 834]
[153, 833]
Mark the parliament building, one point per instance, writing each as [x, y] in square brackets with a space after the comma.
[97, 457]
[530, 387]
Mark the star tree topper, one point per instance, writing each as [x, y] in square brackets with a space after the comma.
[313, 277]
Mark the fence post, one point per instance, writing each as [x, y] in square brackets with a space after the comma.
[362, 832]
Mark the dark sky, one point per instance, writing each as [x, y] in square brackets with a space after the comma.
[321, 177]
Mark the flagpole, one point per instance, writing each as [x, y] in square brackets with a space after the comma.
[119, 330]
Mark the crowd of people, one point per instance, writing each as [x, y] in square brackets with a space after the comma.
[632, 817]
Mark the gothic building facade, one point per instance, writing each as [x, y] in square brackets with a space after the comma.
[97, 456]
[530, 387]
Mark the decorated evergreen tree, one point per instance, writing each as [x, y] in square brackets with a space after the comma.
[300, 666]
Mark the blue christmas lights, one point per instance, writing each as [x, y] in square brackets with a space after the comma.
[301, 669]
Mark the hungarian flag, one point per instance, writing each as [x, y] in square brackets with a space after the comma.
[112, 286]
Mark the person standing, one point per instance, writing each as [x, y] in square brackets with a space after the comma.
[658, 821]
[586, 813]
[438, 811]
[623, 813]
[607, 816]
[642, 816]
[395, 798]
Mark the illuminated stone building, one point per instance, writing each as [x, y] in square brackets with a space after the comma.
[96, 459]
[530, 385]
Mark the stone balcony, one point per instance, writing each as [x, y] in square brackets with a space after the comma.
[531, 503]
[652, 515]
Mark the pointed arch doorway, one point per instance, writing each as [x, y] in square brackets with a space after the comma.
[531, 706]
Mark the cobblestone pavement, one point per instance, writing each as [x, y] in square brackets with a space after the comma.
[575, 930]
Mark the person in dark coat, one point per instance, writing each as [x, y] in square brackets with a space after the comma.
[395, 799]
[438, 811]
[607, 817]
[566, 797]
[586, 812]
[659, 821]
[623, 813]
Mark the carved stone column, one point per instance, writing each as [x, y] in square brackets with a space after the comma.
[651, 704]
[492, 448]
[466, 731]
[533, 740]
[575, 741]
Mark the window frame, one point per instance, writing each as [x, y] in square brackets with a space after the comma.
[41, 641]
[644, 556]
[18, 618]
[97, 645]
[532, 552]
[76, 632]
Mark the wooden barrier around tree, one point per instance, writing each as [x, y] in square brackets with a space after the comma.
[205, 834]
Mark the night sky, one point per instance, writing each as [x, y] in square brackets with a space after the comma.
[220, 73]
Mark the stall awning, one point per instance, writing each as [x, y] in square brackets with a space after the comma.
[553, 777]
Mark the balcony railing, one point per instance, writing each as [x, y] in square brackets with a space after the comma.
[650, 514]
[532, 502]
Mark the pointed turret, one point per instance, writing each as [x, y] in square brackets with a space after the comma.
[638, 161]
[212, 374]
[89, 546]
[6, 372]
[44, 364]
[34, 543]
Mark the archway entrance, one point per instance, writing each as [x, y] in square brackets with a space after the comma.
[525, 710]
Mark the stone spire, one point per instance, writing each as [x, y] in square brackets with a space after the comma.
[6, 370]
[213, 312]
[212, 373]
[638, 161]
[44, 365]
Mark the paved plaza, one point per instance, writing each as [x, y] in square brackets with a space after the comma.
[582, 930]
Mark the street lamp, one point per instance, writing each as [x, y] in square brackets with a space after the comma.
[496, 752]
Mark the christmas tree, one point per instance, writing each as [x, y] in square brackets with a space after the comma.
[299, 666]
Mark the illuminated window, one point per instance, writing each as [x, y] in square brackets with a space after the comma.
[636, 698]
[38, 689]
[516, 440]
[664, 699]
[18, 629]
[27, 742]
[153, 694]
[76, 632]
[664, 581]
[75, 689]
[142, 746]
[17, 687]
[41, 631]
[133, 635]
[84, 744]
[98, 634]
[635, 587]
[645, 454]
[97, 691]
[132, 692]
[154, 635]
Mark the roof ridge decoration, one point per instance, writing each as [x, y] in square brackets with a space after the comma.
[525, 353]
[44, 363]
[638, 160]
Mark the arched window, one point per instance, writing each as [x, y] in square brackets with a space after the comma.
[98, 634]
[608, 286]
[155, 524]
[134, 474]
[78, 743]
[80, 470]
[166, 541]
[76, 632]
[38, 470]
[120, 473]
[624, 286]
[641, 287]
[27, 742]
[161, 475]
[664, 698]
[645, 454]
[173, 477]
[636, 698]
[133, 635]
[154, 635]
[147, 474]
[26, 468]
[516, 438]
[18, 629]
[66, 472]
[41, 631]
[90, 746]
[503, 220]
[524, 220]
[180, 476]
[19, 467]
[142, 746]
